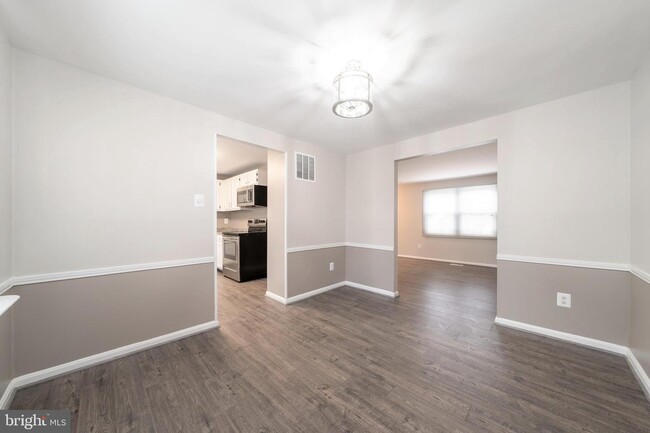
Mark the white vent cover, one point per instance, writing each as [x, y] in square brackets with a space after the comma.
[305, 165]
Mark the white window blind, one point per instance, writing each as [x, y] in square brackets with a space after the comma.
[467, 211]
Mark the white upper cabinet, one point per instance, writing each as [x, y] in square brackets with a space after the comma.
[227, 195]
[227, 188]
[253, 177]
[223, 195]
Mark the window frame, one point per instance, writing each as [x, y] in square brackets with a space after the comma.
[458, 214]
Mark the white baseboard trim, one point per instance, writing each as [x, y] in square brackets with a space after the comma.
[302, 296]
[635, 366]
[564, 336]
[645, 276]
[79, 364]
[432, 259]
[382, 292]
[276, 298]
[8, 396]
[85, 273]
[639, 373]
[565, 262]
[315, 292]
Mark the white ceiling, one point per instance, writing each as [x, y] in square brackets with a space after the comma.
[236, 157]
[436, 63]
[473, 161]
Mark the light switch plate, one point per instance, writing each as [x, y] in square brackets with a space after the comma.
[199, 200]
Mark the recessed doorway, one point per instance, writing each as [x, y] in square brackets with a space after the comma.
[447, 208]
[249, 219]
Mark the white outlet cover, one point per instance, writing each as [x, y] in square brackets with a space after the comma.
[564, 300]
[226, 220]
[331, 266]
[199, 200]
[419, 245]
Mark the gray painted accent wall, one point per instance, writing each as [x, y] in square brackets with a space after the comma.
[62, 321]
[309, 270]
[600, 299]
[371, 267]
[6, 349]
[640, 322]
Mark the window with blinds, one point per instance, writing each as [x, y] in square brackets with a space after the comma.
[461, 212]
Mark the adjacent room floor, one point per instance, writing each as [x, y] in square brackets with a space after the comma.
[350, 361]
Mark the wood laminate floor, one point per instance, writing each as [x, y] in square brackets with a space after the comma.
[350, 361]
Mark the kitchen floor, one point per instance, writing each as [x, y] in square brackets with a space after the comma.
[350, 361]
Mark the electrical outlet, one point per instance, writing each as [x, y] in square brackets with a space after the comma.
[331, 266]
[226, 220]
[564, 300]
[419, 245]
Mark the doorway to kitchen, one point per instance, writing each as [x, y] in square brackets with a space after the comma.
[249, 220]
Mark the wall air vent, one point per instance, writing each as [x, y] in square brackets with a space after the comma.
[305, 165]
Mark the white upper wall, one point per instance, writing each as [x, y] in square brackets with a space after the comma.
[640, 172]
[563, 178]
[435, 64]
[6, 66]
[235, 157]
[470, 162]
[105, 174]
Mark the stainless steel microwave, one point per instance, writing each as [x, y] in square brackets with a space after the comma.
[251, 196]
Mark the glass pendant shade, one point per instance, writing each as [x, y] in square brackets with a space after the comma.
[352, 92]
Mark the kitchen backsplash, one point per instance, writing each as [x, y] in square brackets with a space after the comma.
[239, 219]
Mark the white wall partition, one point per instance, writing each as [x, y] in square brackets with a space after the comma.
[551, 156]
[6, 72]
[106, 174]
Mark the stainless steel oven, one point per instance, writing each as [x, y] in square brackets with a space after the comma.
[244, 252]
[231, 256]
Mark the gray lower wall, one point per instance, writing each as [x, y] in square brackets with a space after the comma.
[309, 270]
[640, 323]
[371, 267]
[62, 321]
[6, 348]
[600, 299]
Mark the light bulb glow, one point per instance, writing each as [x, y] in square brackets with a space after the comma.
[352, 92]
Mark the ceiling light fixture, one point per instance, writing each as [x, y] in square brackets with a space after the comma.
[352, 92]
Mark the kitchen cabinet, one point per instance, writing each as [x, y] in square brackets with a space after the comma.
[220, 203]
[220, 252]
[227, 188]
[227, 195]
[234, 184]
[253, 177]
